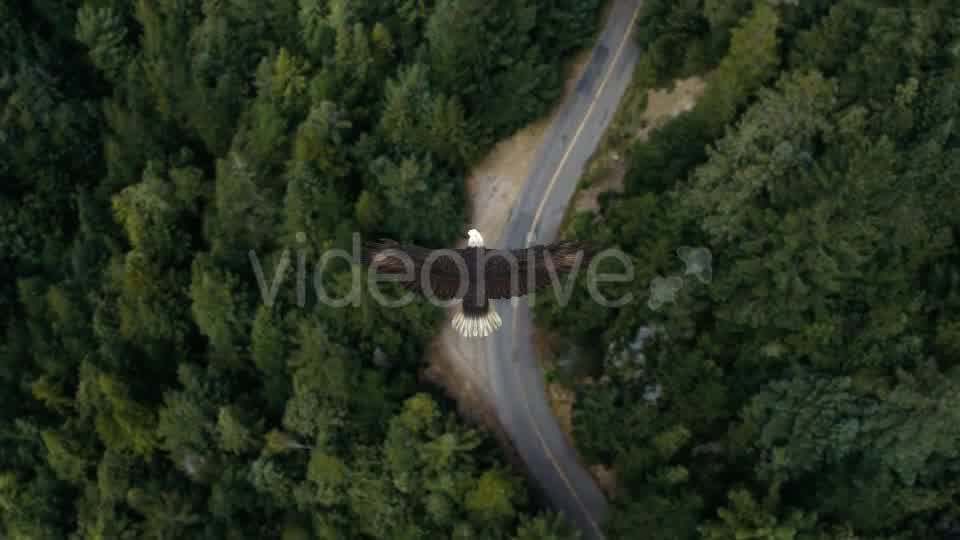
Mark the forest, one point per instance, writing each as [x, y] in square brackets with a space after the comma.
[810, 389]
[147, 148]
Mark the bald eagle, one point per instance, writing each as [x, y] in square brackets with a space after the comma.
[474, 275]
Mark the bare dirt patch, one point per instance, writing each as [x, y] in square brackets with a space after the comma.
[666, 103]
[609, 166]
[588, 198]
[561, 399]
[472, 401]
[606, 479]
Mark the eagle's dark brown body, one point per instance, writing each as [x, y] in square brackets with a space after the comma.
[474, 275]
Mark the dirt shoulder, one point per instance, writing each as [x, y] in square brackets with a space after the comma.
[495, 182]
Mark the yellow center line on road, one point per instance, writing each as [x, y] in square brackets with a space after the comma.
[576, 135]
[530, 237]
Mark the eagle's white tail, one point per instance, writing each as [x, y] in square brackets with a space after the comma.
[477, 322]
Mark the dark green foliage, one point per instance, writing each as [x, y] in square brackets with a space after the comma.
[153, 383]
[488, 53]
[752, 60]
[815, 373]
[674, 36]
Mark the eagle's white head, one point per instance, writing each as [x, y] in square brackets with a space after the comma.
[474, 238]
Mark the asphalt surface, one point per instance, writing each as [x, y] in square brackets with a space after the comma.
[515, 377]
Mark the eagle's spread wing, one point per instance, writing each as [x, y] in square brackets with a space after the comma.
[532, 267]
[506, 273]
[389, 257]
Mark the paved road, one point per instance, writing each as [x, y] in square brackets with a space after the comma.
[515, 377]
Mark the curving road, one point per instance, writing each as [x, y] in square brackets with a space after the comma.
[515, 378]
